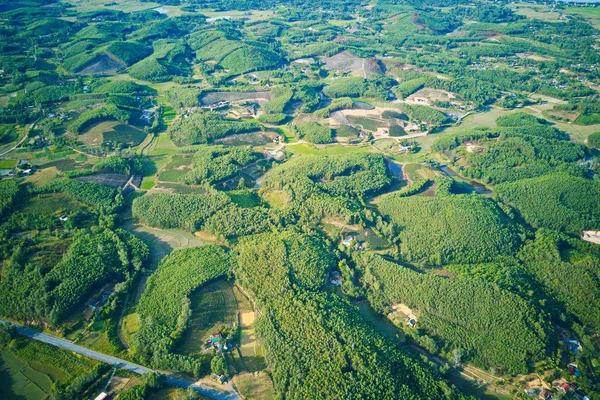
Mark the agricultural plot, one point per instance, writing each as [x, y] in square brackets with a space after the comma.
[20, 381]
[51, 204]
[130, 325]
[112, 131]
[366, 123]
[254, 15]
[235, 97]
[325, 150]
[176, 169]
[110, 180]
[252, 357]
[592, 14]
[347, 131]
[382, 122]
[124, 5]
[245, 198]
[274, 199]
[179, 188]
[245, 139]
[374, 241]
[28, 369]
[96, 338]
[428, 96]
[415, 171]
[346, 62]
[255, 385]
[536, 11]
[4, 164]
[213, 305]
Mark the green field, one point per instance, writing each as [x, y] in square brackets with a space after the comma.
[19, 381]
[415, 171]
[213, 305]
[314, 150]
[112, 131]
[367, 123]
[8, 163]
[176, 169]
[592, 14]
[245, 198]
[346, 131]
[51, 203]
[255, 386]
[122, 5]
[29, 368]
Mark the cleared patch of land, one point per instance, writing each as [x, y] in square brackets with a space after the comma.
[324, 150]
[112, 131]
[122, 5]
[102, 64]
[592, 14]
[349, 63]
[255, 385]
[213, 306]
[245, 139]
[427, 96]
[232, 97]
[536, 11]
[254, 15]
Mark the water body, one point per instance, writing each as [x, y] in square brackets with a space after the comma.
[471, 186]
[359, 105]
[395, 169]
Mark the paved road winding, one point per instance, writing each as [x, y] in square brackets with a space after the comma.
[117, 362]
[25, 136]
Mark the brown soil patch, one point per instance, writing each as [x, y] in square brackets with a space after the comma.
[102, 64]
[247, 319]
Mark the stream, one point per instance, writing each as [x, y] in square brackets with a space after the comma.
[470, 185]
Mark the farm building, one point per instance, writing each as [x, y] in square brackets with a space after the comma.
[336, 278]
[275, 155]
[546, 394]
[573, 346]
[591, 236]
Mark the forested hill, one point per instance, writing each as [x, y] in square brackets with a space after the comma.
[318, 344]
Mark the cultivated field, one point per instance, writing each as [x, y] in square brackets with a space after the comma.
[112, 131]
[213, 305]
[255, 385]
[19, 381]
[592, 14]
[123, 5]
[348, 63]
[110, 180]
[427, 96]
[536, 11]
[245, 139]
[233, 97]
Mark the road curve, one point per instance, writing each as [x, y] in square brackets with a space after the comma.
[117, 362]
[25, 136]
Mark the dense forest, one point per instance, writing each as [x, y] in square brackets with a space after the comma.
[453, 314]
[452, 228]
[298, 319]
